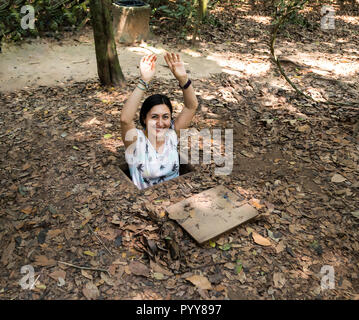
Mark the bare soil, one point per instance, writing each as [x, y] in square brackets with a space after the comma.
[47, 62]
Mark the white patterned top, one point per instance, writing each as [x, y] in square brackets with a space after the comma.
[149, 167]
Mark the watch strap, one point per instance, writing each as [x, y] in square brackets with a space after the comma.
[188, 83]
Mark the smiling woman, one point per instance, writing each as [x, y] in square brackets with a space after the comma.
[151, 152]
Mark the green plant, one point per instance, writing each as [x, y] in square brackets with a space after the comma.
[50, 16]
[187, 13]
[181, 10]
[285, 7]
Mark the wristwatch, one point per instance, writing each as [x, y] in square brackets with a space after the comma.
[186, 85]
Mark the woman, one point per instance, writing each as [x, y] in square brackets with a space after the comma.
[151, 153]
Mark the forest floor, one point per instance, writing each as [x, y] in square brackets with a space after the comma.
[67, 210]
[47, 62]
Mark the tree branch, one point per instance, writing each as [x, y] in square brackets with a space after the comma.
[280, 23]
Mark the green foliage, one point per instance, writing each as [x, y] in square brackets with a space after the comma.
[288, 11]
[157, 3]
[184, 12]
[50, 16]
[181, 10]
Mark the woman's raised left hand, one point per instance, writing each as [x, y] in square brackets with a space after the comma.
[177, 67]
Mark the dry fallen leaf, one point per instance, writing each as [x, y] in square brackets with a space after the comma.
[133, 227]
[58, 274]
[200, 282]
[43, 261]
[120, 272]
[305, 128]
[230, 265]
[258, 239]
[280, 247]
[157, 268]
[337, 178]
[112, 269]
[26, 166]
[107, 279]
[53, 233]
[219, 287]
[5, 258]
[120, 261]
[86, 274]
[127, 270]
[109, 234]
[139, 269]
[255, 203]
[116, 220]
[292, 228]
[247, 154]
[346, 284]
[356, 214]
[279, 280]
[27, 210]
[158, 275]
[90, 291]
[249, 230]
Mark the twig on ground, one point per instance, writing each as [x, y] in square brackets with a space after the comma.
[83, 268]
[100, 240]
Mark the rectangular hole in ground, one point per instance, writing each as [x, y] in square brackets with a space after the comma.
[184, 170]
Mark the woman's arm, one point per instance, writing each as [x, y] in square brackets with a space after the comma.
[128, 113]
[184, 119]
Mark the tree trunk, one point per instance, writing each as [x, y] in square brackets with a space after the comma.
[203, 8]
[108, 66]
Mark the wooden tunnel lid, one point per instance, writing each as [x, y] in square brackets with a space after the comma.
[211, 213]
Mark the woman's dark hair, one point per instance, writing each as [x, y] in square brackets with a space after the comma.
[150, 102]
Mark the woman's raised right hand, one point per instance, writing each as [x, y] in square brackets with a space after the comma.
[148, 67]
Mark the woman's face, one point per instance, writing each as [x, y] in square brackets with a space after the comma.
[158, 121]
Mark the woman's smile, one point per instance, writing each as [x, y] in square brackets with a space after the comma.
[161, 130]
